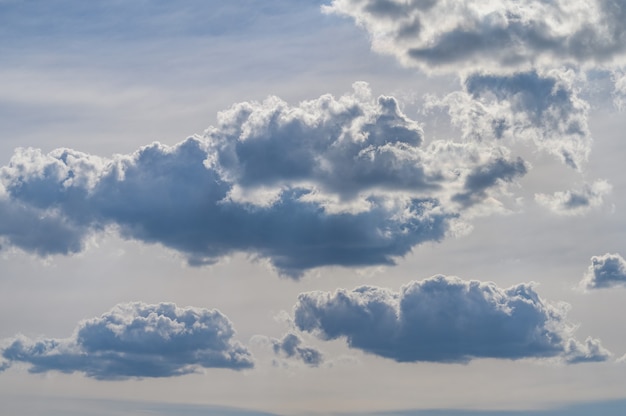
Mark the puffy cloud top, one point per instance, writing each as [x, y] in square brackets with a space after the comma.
[138, 340]
[445, 319]
[331, 181]
[503, 34]
[606, 271]
[344, 145]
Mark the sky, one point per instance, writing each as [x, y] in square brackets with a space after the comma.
[321, 207]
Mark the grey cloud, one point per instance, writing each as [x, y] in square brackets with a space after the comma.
[332, 181]
[445, 319]
[343, 146]
[168, 196]
[44, 233]
[291, 346]
[575, 202]
[606, 271]
[500, 34]
[138, 340]
[486, 176]
[542, 109]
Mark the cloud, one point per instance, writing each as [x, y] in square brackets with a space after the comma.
[485, 177]
[332, 181]
[290, 346]
[576, 202]
[502, 35]
[344, 146]
[138, 340]
[606, 271]
[619, 93]
[445, 319]
[541, 109]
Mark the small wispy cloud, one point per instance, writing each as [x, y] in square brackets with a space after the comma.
[576, 202]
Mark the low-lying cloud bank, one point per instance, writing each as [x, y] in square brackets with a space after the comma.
[445, 319]
[137, 340]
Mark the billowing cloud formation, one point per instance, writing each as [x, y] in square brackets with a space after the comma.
[541, 109]
[328, 182]
[445, 319]
[446, 35]
[608, 270]
[576, 202]
[138, 340]
[291, 346]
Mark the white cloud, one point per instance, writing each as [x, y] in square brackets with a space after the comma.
[445, 319]
[543, 110]
[576, 202]
[619, 93]
[503, 35]
[138, 340]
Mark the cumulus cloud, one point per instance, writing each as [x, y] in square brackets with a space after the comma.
[291, 346]
[606, 271]
[332, 181]
[543, 110]
[445, 319]
[137, 340]
[576, 202]
[502, 35]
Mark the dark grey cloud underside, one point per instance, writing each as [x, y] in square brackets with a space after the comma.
[172, 199]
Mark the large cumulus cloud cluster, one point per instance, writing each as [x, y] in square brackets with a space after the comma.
[505, 34]
[137, 340]
[445, 319]
[522, 63]
[332, 181]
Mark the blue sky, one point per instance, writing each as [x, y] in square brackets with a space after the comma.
[315, 207]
